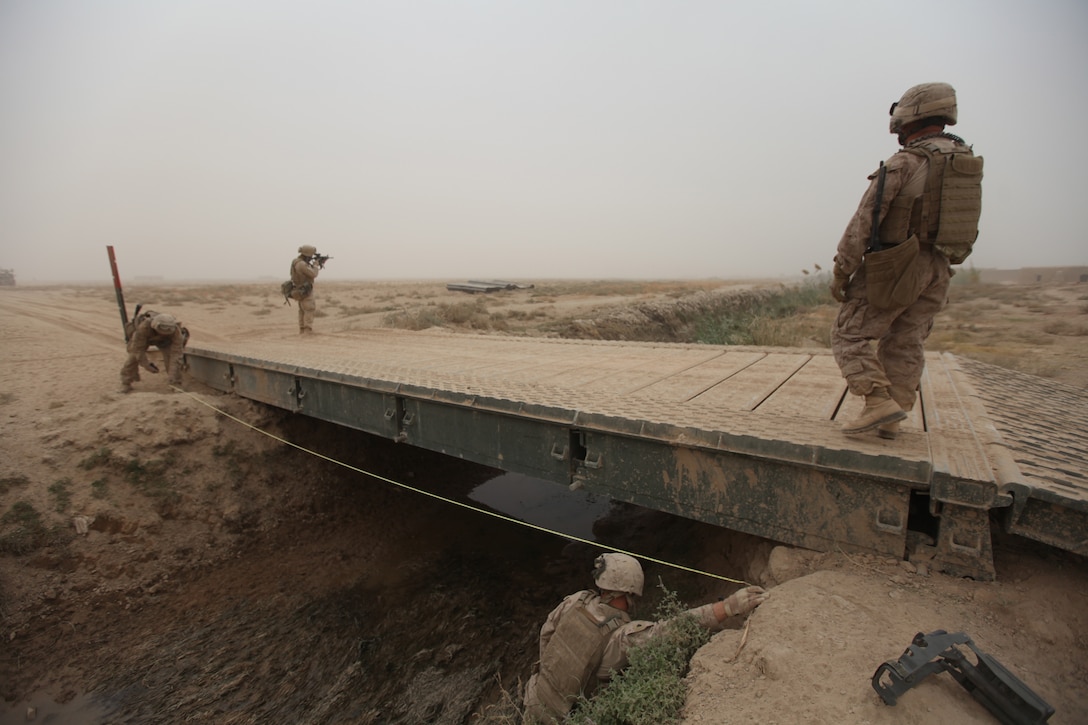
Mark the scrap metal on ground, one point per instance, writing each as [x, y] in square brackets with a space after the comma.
[478, 286]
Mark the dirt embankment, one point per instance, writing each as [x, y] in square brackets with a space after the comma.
[224, 576]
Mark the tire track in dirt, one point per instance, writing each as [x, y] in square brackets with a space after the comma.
[63, 317]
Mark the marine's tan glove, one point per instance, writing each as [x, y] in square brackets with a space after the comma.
[744, 600]
[838, 285]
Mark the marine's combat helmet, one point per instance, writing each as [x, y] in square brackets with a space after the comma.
[928, 100]
[164, 324]
[307, 250]
[618, 573]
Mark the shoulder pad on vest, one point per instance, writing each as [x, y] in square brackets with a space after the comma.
[581, 597]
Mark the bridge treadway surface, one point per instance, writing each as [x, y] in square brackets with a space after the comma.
[745, 437]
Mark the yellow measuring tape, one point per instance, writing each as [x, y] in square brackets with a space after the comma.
[493, 514]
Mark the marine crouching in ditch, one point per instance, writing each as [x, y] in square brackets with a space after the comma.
[587, 637]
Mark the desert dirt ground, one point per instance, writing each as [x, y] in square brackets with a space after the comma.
[225, 577]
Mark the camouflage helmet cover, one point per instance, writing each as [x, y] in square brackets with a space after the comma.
[165, 324]
[618, 573]
[307, 250]
[927, 100]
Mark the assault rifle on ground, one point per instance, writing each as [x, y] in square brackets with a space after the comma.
[320, 259]
[998, 690]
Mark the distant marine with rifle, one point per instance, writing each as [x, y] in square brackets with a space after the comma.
[300, 287]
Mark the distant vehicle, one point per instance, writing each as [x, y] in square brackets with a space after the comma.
[7, 277]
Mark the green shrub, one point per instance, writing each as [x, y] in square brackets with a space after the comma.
[62, 494]
[101, 457]
[149, 478]
[771, 318]
[9, 482]
[472, 314]
[21, 529]
[100, 488]
[967, 276]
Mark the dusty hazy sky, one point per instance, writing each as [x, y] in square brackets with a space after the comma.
[513, 138]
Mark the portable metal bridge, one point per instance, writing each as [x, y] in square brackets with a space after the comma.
[740, 437]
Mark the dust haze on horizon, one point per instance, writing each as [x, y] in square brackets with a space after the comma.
[618, 139]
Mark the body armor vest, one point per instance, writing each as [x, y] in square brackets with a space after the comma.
[573, 654]
[941, 204]
[297, 277]
[299, 286]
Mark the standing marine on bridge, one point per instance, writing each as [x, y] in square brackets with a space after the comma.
[587, 637]
[918, 217]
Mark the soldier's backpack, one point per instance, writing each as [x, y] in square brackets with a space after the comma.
[287, 288]
[954, 187]
[572, 656]
[140, 316]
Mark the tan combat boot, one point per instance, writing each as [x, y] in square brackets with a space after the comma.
[888, 431]
[879, 410]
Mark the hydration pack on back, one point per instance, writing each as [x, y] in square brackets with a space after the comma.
[954, 187]
[569, 662]
[140, 315]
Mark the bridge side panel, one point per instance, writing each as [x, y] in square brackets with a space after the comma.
[812, 508]
[211, 371]
[519, 445]
[268, 386]
[358, 408]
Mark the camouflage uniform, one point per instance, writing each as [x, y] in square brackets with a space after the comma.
[171, 344]
[619, 635]
[303, 274]
[926, 200]
[900, 334]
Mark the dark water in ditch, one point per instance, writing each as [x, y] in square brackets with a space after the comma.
[543, 503]
[375, 604]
